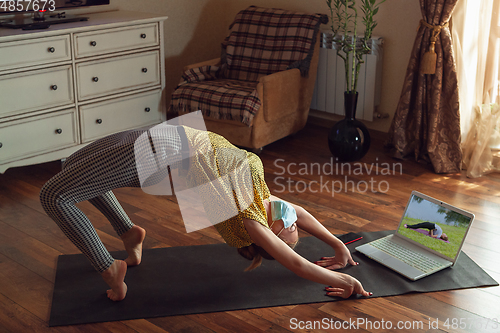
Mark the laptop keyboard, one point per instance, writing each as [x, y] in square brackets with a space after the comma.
[416, 260]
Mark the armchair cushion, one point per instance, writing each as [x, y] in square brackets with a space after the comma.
[222, 99]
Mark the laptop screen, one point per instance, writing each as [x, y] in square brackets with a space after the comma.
[435, 225]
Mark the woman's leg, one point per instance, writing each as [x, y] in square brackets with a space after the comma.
[104, 166]
[109, 206]
[74, 223]
[92, 176]
[131, 235]
[424, 225]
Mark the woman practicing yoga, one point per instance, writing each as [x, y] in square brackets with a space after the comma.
[264, 227]
[435, 230]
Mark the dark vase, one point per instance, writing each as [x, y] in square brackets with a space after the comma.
[349, 139]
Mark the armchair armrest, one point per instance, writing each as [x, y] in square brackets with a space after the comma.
[280, 93]
[211, 62]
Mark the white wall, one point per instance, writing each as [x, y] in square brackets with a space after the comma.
[193, 31]
[195, 28]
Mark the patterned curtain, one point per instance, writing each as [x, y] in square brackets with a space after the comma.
[426, 125]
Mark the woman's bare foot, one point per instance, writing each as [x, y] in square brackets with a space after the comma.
[132, 240]
[114, 276]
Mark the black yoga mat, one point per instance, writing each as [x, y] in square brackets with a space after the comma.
[210, 278]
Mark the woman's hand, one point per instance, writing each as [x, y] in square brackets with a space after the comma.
[340, 260]
[351, 286]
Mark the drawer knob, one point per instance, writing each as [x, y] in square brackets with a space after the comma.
[99, 121]
[147, 109]
[53, 87]
[95, 79]
[143, 36]
[58, 131]
[144, 70]
[1, 145]
[93, 43]
[52, 49]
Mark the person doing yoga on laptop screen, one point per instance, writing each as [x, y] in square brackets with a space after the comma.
[204, 170]
[435, 230]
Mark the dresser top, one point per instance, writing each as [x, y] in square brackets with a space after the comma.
[102, 20]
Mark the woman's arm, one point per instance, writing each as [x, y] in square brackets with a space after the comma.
[342, 285]
[310, 224]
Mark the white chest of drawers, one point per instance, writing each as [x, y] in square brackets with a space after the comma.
[64, 87]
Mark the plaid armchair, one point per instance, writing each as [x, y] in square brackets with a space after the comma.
[260, 89]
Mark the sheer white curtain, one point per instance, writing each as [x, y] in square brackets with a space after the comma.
[476, 42]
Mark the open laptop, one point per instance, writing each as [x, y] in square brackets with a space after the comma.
[416, 250]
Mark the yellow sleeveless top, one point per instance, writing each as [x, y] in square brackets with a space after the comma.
[232, 230]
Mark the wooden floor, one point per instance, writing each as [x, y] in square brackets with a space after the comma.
[30, 242]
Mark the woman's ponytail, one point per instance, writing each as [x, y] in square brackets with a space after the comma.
[255, 253]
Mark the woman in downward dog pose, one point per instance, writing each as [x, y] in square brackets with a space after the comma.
[264, 226]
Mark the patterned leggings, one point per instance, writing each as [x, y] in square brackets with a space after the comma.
[90, 174]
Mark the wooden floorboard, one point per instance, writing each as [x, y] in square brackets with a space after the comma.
[30, 242]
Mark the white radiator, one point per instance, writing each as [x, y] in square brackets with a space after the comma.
[330, 82]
